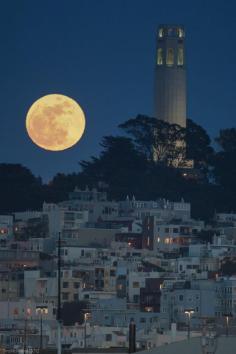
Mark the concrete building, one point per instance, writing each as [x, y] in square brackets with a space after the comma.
[162, 209]
[179, 295]
[225, 296]
[62, 218]
[170, 75]
[92, 201]
[6, 226]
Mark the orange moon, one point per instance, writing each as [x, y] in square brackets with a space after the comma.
[55, 122]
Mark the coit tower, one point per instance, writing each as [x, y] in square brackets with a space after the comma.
[170, 75]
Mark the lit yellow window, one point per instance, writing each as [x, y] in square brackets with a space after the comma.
[159, 56]
[180, 60]
[170, 56]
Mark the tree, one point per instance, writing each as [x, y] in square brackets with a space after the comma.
[20, 190]
[119, 166]
[61, 184]
[227, 140]
[198, 145]
[228, 266]
[158, 140]
[73, 312]
[224, 169]
[224, 161]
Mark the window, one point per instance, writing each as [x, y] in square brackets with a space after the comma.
[135, 284]
[76, 285]
[159, 56]
[180, 60]
[170, 57]
[65, 284]
[65, 296]
[181, 297]
[181, 33]
[108, 337]
[161, 32]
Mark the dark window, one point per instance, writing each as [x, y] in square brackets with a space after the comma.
[65, 296]
[65, 284]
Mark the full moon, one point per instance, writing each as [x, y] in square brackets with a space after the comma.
[55, 122]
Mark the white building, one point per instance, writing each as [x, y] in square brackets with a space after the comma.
[6, 226]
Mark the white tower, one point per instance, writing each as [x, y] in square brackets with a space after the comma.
[170, 75]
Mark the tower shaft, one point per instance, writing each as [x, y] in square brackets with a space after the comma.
[170, 75]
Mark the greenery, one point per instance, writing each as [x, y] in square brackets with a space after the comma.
[141, 161]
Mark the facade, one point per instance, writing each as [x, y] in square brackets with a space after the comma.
[162, 209]
[170, 75]
[6, 226]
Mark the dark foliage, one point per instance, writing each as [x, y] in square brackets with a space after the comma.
[198, 145]
[228, 267]
[19, 189]
[73, 312]
[126, 166]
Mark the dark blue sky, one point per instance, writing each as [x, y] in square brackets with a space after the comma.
[102, 53]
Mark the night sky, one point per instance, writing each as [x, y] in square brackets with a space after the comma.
[102, 54]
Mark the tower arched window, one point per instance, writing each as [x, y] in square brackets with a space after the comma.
[170, 57]
[180, 58]
[159, 56]
[180, 32]
[160, 33]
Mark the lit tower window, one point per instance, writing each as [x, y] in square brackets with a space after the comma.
[181, 33]
[159, 56]
[180, 59]
[170, 57]
[160, 33]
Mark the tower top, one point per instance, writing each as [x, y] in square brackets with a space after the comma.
[171, 31]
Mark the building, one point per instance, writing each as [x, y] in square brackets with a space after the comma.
[6, 227]
[162, 209]
[170, 75]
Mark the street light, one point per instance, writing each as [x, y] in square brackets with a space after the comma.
[86, 317]
[189, 312]
[41, 310]
[227, 317]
